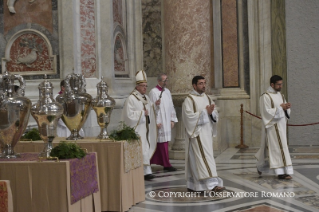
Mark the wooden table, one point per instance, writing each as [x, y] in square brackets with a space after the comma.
[119, 190]
[46, 186]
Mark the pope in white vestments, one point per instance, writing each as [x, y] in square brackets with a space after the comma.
[165, 120]
[200, 117]
[139, 113]
[273, 156]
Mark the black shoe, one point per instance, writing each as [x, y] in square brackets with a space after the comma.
[170, 169]
[149, 176]
[284, 177]
[259, 172]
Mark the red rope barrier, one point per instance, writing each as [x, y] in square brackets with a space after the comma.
[252, 114]
[292, 125]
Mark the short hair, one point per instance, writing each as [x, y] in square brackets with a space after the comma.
[196, 78]
[62, 83]
[159, 77]
[275, 78]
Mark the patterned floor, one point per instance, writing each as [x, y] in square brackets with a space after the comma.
[246, 191]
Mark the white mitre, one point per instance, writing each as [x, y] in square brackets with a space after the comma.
[141, 77]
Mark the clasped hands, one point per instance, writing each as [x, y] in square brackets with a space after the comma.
[210, 109]
[286, 106]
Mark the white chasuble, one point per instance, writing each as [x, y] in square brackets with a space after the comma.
[274, 152]
[165, 113]
[200, 130]
[133, 115]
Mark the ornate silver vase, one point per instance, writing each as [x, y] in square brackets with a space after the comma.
[76, 103]
[103, 105]
[14, 113]
[46, 112]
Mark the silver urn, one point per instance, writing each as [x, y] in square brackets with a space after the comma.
[103, 105]
[14, 113]
[76, 103]
[46, 112]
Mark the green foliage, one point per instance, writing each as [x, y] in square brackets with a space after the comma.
[124, 132]
[67, 150]
[33, 134]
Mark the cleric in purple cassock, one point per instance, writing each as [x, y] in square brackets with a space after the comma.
[165, 120]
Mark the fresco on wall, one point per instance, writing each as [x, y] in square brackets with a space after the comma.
[29, 54]
[119, 59]
[88, 47]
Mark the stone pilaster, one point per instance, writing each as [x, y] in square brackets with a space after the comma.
[188, 52]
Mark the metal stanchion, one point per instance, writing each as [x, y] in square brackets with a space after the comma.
[241, 145]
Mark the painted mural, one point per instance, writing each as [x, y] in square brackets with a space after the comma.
[30, 54]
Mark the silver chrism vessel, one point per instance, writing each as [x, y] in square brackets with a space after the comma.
[14, 113]
[46, 112]
[76, 103]
[103, 105]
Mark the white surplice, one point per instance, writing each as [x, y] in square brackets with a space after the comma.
[200, 127]
[273, 154]
[133, 115]
[165, 113]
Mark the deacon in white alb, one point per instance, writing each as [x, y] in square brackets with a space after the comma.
[200, 117]
[139, 113]
[165, 120]
[273, 154]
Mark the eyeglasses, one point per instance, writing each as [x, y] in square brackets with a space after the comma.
[144, 86]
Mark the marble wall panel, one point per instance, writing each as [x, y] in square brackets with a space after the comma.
[119, 58]
[278, 40]
[230, 43]
[152, 37]
[39, 12]
[88, 48]
[120, 41]
[117, 12]
[188, 43]
[302, 60]
[39, 15]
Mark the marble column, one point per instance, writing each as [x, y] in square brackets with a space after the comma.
[188, 52]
